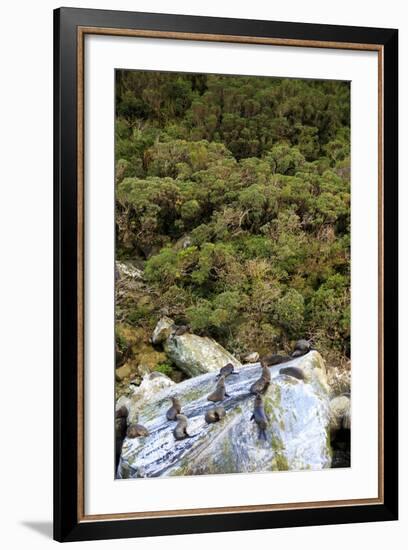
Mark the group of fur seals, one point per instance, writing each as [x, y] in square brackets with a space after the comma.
[301, 348]
[174, 414]
[260, 417]
[220, 393]
[122, 431]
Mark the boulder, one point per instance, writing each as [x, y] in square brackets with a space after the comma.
[162, 330]
[251, 357]
[127, 269]
[123, 372]
[196, 355]
[297, 434]
[340, 414]
[152, 384]
[339, 380]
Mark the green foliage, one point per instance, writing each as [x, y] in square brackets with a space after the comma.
[164, 368]
[234, 192]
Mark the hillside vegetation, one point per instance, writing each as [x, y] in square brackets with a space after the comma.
[233, 197]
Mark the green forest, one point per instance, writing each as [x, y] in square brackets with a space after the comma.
[233, 198]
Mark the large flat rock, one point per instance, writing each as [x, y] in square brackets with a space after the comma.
[297, 435]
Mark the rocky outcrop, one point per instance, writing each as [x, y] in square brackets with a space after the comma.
[251, 357]
[162, 330]
[340, 414]
[197, 355]
[339, 380]
[297, 433]
[152, 384]
[192, 354]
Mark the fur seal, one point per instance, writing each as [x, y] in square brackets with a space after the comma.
[215, 414]
[275, 359]
[301, 348]
[226, 370]
[180, 431]
[179, 330]
[174, 410]
[260, 417]
[120, 432]
[296, 372]
[136, 430]
[220, 392]
[260, 385]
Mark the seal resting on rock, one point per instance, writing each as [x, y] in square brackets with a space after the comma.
[275, 359]
[120, 431]
[215, 414]
[179, 330]
[301, 348]
[174, 410]
[226, 370]
[137, 430]
[260, 417]
[220, 392]
[180, 431]
[296, 372]
[260, 385]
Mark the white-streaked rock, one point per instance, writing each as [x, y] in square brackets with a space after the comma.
[297, 435]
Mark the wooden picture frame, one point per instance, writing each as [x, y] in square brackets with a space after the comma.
[70, 27]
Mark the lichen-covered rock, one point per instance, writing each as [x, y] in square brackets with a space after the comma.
[251, 357]
[162, 330]
[127, 269]
[152, 384]
[297, 436]
[340, 413]
[196, 355]
[339, 380]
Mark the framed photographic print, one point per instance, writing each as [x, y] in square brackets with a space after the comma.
[225, 274]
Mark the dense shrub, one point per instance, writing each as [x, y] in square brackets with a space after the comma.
[234, 193]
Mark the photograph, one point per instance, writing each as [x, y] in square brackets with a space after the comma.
[232, 274]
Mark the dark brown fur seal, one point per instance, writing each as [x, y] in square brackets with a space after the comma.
[296, 372]
[215, 414]
[274, 359]
[226, 370]
[301, 348]
[137, 430]
[180, 330]
[174, 410]
[180, 431]
[220, 392]
[120, 432]
[262, 383]
[260, 417]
